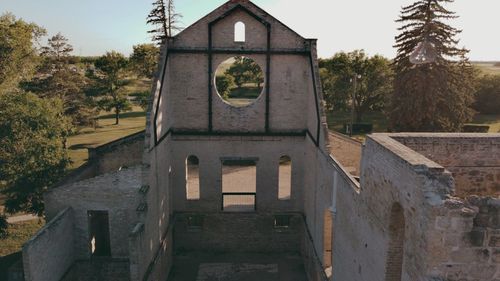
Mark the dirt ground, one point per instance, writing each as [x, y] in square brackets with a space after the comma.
[202, 266]
[347, 151]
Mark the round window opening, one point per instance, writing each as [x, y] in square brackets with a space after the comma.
[239, 81]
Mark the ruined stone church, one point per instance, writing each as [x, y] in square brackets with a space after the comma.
[214, 190]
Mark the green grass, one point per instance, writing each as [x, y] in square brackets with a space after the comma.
[245, 92]
[19, 233]
[107, 131]
[336, 121]
[487, 67]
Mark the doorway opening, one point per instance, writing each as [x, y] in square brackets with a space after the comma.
[99, 239]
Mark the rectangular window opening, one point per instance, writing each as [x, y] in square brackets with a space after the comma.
[285, 178]
[192, 178]
[239, 185]
[99, 238]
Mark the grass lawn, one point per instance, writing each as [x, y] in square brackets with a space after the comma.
[19, 233]
[107, 131]
[336, 121]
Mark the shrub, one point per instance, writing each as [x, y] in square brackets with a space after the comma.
[475, 129]
[488, 95]
[359, 128]
[3, 226]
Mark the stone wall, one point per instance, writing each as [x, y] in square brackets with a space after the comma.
[124, 152]
[237, 232]
[473, 159]
[465, 240]
[210, 152]
[392, 175]
[109, 157]
[404, 224]
[50, 253]
[117, 193]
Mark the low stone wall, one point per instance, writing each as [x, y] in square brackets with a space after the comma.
[124, 152]
[237, 232]
[473, 159]
[121, 153]
[50, 253]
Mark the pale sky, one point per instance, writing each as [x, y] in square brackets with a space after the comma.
[97, 26]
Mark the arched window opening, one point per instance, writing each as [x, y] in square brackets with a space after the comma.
[239, 32]
[395, 253]
[285, 178]
[192, 178]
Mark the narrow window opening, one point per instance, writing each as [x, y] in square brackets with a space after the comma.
[99, 239]
[239, 185]
[395, 253]
[285, 178]
[327, 240]
[192, 178]
[239, 32]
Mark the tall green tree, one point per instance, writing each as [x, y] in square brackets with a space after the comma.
[18, 50]
[144, 59]
[434, 81]
[32, 155]
[108, 82]
[57, 78]
[373, 82]
[245, 70]
[164, 19]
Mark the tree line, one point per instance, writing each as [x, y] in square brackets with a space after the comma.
[430, 85]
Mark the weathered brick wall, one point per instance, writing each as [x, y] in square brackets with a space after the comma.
[49, 254]
[465, 238]
[474, 159]
[240, 232]
[116, 193]
[183, 106]
[124, 152]
[209, 150]
[390, 174]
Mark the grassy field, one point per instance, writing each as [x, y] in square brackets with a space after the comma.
[488, 67]
[18, 234]
[336, 121]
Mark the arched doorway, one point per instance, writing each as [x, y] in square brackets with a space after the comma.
[395, 252]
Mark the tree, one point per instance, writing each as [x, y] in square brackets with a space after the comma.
[434, 81]
[32, 156]
[144, 59]
[488, 95]
[224, 83]
[165, 20]
[56, 78]
[18, 53]
[57, 52]
[108, 82]
[374, 82]
[245, 70]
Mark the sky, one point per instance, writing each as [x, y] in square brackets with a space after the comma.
[96, 26]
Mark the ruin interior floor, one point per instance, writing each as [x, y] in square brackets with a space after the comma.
[204, 266]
